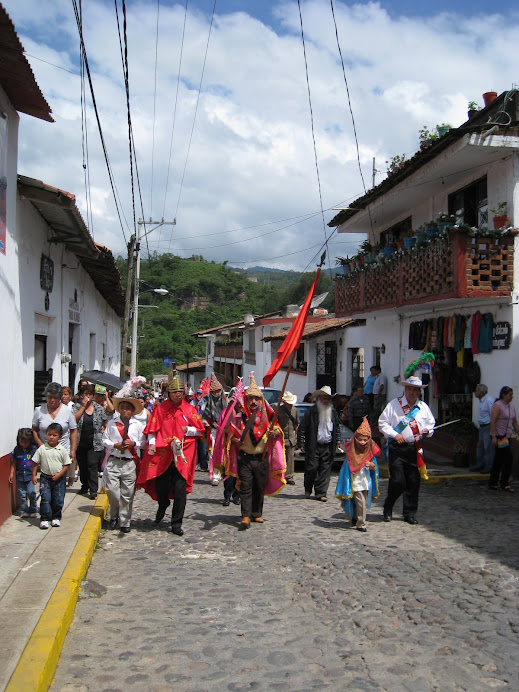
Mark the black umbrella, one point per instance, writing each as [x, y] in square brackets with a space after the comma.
[107, 379]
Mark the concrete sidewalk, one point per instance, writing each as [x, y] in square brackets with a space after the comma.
[40, 577]
[40, 581]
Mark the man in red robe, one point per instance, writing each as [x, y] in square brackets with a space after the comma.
[168, 465]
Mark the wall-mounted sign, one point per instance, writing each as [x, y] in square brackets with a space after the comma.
[502, 335]
[74, 315]
[46, 273]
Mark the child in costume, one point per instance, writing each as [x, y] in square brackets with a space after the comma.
[358, 480]
[21, 469]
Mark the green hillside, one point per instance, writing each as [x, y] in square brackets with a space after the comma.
[201, 295]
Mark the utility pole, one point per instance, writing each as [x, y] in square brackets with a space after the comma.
[129, 280]
[374, 172]
[140, 223]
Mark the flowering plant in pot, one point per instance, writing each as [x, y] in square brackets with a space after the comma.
[500, 217]
[426, 137]
[444, 221]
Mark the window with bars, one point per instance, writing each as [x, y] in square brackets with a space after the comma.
[470, 204]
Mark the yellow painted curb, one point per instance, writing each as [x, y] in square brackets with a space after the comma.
[40, 657]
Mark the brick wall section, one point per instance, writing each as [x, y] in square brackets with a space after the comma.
[452, 266]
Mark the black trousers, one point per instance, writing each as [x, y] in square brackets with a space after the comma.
[88, 464]
[229, 488]
[173, 480]
[404, 478]
[318, 470]
[501, 467]
[253, 472]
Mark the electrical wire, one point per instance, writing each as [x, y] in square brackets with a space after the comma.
[115, 193]
[352, 117]
[154, 107]
[312, 123]
[194, 117]
[84, 141]
[175, 109]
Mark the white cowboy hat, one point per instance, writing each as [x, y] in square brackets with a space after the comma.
[289, 398]
[412, 382]
[324, 391]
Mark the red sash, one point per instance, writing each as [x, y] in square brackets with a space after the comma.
[420, 463]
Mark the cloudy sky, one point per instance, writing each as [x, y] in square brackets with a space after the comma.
[241, 179]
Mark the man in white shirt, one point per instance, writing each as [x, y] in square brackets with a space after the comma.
[404, 422]
[485, 447]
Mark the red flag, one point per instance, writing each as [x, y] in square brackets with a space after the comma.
[293, 338]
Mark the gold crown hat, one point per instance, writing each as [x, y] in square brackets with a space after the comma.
[253, 389]
[175, 383]
[364, 428]
[215, 384]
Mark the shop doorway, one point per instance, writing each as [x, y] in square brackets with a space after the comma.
[326, 365]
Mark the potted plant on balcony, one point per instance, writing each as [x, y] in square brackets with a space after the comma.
[395, 163]
[488, 97]
[500, 217]
[421, 236]
[445, 221]
[443, 129]
[431, 229]
[426, 137]
[473, 109]
[409, 239]
[344, 263]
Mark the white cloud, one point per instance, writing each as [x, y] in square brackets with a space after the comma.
[251, 159]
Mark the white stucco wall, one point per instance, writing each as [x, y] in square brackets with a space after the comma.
[23, 314]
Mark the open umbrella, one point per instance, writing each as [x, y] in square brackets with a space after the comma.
[107, 379]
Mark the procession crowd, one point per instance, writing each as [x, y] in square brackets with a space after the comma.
[135, 440]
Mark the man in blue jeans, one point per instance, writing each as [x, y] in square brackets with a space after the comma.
[486, 449]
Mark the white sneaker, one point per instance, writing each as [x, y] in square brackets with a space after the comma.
[33, 515]
[23, 515]
[55, 522]
[44, 524]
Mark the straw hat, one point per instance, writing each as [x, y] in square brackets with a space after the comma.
[324, 391]
[412, 382]
[289, 398]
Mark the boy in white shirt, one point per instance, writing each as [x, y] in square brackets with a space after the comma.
[123, 437]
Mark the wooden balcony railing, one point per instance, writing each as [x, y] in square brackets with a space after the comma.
[456, 265]
[234, 351]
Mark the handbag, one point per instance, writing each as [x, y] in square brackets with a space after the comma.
[503, 442]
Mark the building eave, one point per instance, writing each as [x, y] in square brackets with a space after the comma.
[16, 76]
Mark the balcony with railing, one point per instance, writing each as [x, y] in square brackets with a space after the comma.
[454, 265]
[230, 351]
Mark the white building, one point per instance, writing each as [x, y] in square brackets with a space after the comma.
[459, 273]
[60, 293]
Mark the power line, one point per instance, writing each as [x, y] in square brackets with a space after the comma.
[175, 109]
[154, 107]
[194, 117]
[78, 74]
[312, 123]
[94, 103]
[352, 117]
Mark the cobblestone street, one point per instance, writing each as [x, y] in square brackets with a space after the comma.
[303, 602]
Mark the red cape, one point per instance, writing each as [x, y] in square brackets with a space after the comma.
[166, 422]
